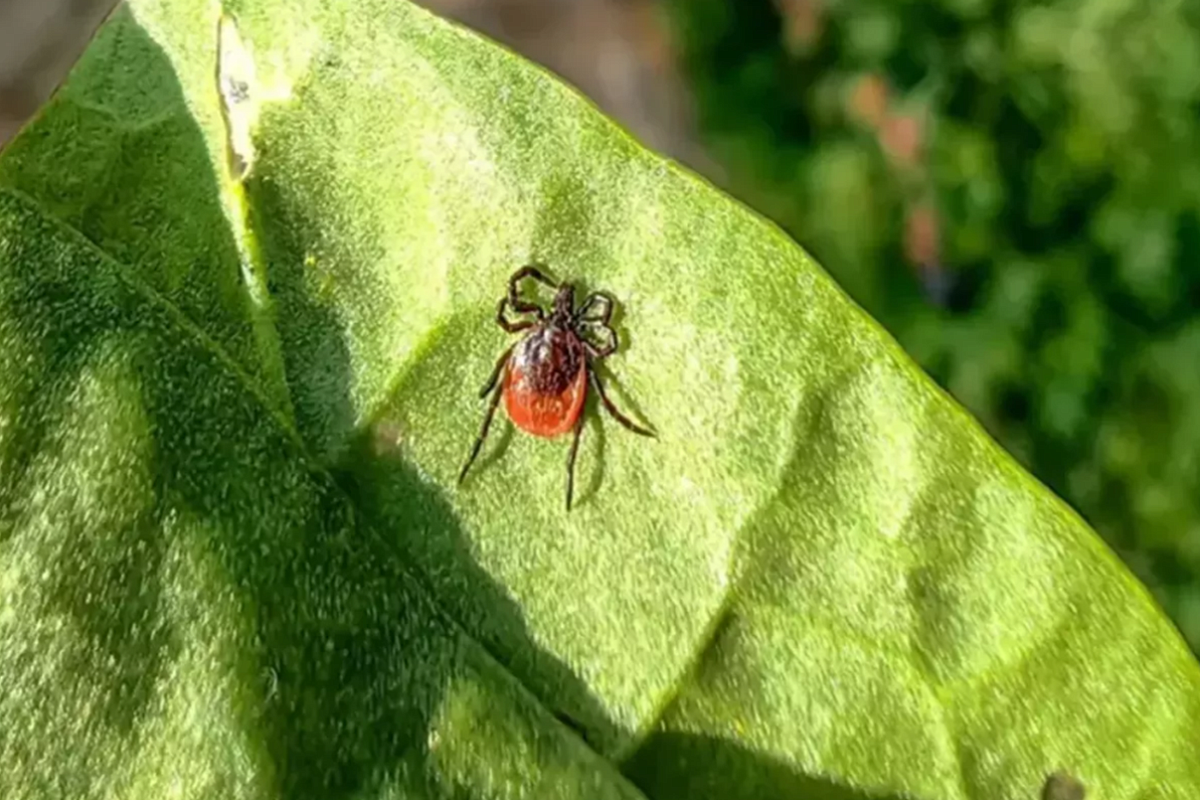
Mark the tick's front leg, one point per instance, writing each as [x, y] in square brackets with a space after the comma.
[510, 326]
[528, 271]
[499, 368]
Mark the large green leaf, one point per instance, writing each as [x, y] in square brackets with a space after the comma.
[233, 558]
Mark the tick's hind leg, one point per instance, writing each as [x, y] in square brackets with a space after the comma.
[487, 421]
[571, 459]
[608, 405]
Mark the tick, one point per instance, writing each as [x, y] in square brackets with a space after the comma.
[544, 377]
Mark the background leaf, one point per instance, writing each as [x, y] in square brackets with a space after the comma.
[232, 412]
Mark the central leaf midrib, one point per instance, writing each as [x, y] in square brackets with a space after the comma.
[268, 346]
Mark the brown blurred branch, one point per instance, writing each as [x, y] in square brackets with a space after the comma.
[40, 40]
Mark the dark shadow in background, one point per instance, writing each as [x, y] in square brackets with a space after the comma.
[346, 656]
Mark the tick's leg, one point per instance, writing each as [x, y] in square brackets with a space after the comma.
[483, 432]
[605, 303]
[534, 271]
[528, 271]
[571, 459]
[621, 418]
[609, 347]
[500, 362]
[513, 327]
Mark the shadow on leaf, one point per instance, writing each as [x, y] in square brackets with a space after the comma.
[314, 646]
[708, 768]
[413, 521]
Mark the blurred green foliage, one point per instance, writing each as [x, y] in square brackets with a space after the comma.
[1013, 189]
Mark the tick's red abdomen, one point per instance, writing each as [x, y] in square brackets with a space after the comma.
[546, 382]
